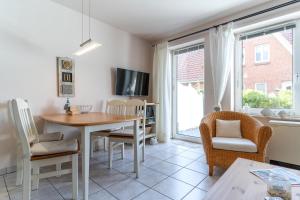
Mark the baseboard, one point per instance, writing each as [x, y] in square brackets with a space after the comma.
[8, 170]
[283, 164]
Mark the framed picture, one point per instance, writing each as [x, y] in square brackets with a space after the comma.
[65, 77]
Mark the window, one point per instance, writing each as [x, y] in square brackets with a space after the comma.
[262, 53]
[261, 87]
[273, 84]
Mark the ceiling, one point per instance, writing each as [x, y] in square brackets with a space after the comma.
[157, 19]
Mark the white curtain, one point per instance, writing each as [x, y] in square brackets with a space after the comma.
[162, 89]
[221, 41]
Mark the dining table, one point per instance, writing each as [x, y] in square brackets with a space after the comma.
[87, 124]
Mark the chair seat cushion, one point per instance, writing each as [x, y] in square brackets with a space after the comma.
[54, 147]
[48, 137]
[234, 144]
[128, 132]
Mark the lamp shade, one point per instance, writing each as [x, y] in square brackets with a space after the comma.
[87, 46]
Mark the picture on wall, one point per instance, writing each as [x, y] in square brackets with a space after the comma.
[65, 77]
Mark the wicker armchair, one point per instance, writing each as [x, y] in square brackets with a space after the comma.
[251, 129]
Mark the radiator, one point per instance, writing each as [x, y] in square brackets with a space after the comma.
[284, 144]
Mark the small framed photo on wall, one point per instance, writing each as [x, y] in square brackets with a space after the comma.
[65, 77]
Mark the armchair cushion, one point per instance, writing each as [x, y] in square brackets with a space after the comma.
[234, 144]
[228, 128]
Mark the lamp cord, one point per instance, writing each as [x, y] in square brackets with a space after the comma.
[89, 19]
[82, 21]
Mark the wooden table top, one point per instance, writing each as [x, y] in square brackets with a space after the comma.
[88, 119]
[237, 183]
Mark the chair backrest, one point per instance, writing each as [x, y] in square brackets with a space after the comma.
[247, 122]
[116, 107]
[136, 107]
[24, 122]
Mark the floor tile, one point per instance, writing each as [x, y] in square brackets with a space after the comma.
[151, 195]
[150, 160]
[64, 186]
[166, 168]
[42, 193]
[190, 155]
[127, 189]
[176, 150]
[109, 178]
[163, 155]
[149, 177]
[195, 194]
[179, 160]
[198, 166]
[189, 176]
[103, 195]
[207, 183]
[173, 188]
[3, 192]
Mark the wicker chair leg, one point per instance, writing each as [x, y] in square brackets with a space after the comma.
[211, 170]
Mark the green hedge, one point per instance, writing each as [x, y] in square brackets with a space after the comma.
[256, 99]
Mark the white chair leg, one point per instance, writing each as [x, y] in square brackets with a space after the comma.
[92, 147]
[110, 154]
[122, 151]
[19, 171]
[58, 169]
[75, 176]
[26, 180]
[35, 178]
[104, 143]
[143, 152]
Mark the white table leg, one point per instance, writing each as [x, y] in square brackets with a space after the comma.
[85, 154]
[136, 148]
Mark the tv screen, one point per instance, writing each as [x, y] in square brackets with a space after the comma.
[131, 83]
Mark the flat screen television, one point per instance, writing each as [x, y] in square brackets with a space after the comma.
[131, 83]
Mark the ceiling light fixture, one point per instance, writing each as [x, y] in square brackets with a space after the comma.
[89, 44]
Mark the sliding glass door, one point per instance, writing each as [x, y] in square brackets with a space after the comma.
[188, 91]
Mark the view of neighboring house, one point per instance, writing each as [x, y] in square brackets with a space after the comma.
[190, 69]
[267, 62]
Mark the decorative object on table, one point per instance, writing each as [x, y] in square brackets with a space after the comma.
[279, 186]
[217, 108]
[282, 114]
[273, 198]
[74, 110]
[65, 77]
[266, 174]
[267, 112]
[85, 108]
[89, 44]
[67, 105]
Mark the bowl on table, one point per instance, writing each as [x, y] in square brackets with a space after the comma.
[85, 108]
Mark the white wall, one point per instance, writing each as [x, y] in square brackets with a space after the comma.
[32, 34]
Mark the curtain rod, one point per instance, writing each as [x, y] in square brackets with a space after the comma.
[240, 18]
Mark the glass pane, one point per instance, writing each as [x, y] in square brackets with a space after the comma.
[190, 92]
[269, 84]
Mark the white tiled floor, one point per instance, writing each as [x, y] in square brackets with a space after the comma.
[174, 170]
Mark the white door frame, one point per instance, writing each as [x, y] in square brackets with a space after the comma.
[174, 103]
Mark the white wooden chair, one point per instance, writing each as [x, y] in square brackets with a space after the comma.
[46, 137]
[126, 135]
[116, 107]
[36, 154]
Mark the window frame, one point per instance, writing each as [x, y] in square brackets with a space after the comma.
[239, 68]
[265, 87]
[263, 48]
